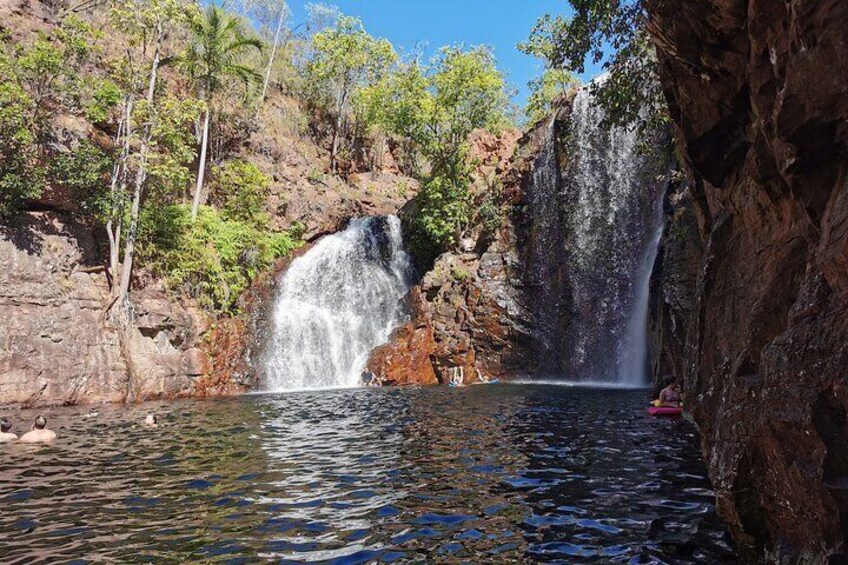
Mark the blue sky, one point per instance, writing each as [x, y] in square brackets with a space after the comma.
[498, 23]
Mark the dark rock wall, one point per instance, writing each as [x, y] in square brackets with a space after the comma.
[673, 286]
[758, 91]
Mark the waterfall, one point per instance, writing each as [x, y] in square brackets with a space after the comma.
[335, 304]
[596, 207]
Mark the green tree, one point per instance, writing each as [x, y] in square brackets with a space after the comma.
[545, 89]
[144, 23]
[345, 59]
[214, 58]
[615, 34]
[436, 108]
[239, 190]
[21, 176]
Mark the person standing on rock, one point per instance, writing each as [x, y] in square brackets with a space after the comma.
[5, 434]
[39, 432]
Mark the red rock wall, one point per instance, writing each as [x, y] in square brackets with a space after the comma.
[758, 91]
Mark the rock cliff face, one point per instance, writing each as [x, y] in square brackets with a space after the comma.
[474, 308]
[673, 286]
[57, 343]
[758, 91]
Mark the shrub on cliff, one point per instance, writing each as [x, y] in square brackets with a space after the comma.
[239, 189]
[213, 259]
[21, 176]
[436, 108]
[545, 90]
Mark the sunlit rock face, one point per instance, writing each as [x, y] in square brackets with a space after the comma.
[758, 94]
[58, 344]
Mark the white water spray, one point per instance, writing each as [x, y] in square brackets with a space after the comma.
[597, 224]
[335, 304]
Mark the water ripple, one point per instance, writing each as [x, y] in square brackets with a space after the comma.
[497, 475]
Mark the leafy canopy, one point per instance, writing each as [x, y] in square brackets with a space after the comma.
[436, 107]
[239, 190]
[545, 90]
[217, 50]
[346, 58]
[612, 32]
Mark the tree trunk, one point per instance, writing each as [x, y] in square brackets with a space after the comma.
[201, 169]
[118, 188]
[140, 177]
[334, 151]
[271, 62]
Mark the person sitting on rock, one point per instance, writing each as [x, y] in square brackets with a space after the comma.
[670, 395]
[39, 432]
[5, 434]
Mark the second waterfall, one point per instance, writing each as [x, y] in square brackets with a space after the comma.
[335, 304]
[596, 220]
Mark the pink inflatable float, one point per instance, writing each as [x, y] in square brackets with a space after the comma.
[665, 411]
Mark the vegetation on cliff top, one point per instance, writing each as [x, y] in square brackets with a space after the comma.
[166, 90]
[616, 34]
[435, 108]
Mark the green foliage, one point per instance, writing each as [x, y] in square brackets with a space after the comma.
[346, 58]
[37, 80]
[443, 207]
[172, 145]
[436, 108]
[21, 176]
[213, 259]
[239, 189]
[85, 171]
[105, 95]
[545, 89]
[39, 67]
[595, 28]
[459, 274]
[316, 176]
[216, 53]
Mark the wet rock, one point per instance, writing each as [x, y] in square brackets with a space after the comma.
[406, 359]
[759, 97]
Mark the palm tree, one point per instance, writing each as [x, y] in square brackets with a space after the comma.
[218, 47]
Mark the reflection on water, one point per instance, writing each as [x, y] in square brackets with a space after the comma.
[482, 475]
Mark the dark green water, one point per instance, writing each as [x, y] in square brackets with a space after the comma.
[498, 474]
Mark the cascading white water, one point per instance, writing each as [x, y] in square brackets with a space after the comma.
[594, 250]
[335, 304]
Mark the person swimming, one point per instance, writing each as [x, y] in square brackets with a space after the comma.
[671, 395]
[5, 434]
[39, 432]
[151, 421]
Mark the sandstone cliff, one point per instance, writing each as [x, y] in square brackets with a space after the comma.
[759, 94]
[57, 343]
